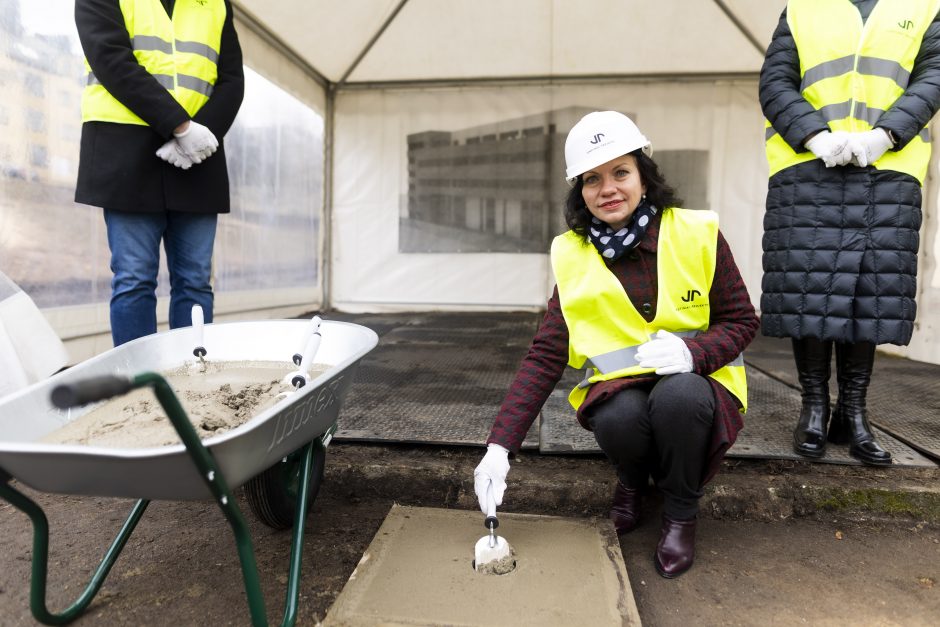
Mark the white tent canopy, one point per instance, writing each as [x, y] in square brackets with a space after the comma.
[439, 40]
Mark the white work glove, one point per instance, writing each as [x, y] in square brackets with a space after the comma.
[174, 155]
[197, 142]
[492, 470]
[665, 352]
[832, 148]
[868, 146]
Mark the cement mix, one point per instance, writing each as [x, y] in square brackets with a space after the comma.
[418, 570]
[217, 397]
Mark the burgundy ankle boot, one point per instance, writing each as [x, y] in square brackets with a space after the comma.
[625, 511]
[676, 549]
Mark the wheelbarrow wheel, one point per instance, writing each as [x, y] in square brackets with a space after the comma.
[272, 495]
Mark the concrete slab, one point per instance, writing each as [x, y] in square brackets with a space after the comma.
[419, 571]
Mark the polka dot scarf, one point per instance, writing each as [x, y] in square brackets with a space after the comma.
[613, 244]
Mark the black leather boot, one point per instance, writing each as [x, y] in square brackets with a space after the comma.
[625, 511]
[813, 358]
[849, 420]
[676, 549]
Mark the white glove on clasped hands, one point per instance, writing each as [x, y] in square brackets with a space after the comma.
[868, 146]
[492, 470]
[197, 142]
[665, 352]
[174, 155]
[832, 148]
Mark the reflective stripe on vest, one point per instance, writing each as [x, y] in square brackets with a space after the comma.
[181, 54]
[854, 73]
[605, 329]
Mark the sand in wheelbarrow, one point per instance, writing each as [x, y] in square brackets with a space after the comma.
[223, 397]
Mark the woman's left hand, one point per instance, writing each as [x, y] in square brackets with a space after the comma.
[665, 352]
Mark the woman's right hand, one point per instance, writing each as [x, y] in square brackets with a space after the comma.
[491, 470]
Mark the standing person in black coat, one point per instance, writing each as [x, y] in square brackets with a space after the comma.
[848, 88]
[164, 83]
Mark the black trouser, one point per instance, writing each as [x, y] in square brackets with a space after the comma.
[664, 431]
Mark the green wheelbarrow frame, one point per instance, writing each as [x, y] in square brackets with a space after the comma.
[106, 387]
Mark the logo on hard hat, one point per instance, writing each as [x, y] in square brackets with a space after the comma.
[597, 138]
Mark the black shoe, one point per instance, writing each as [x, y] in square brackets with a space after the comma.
[676, 549]
[625, 511]
[813, 358]
[809, 437]
[850, 419]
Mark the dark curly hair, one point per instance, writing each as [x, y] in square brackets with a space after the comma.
[658, 192]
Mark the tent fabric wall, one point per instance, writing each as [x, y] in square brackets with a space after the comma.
[719, 119]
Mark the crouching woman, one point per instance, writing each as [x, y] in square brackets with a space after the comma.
[649, 300]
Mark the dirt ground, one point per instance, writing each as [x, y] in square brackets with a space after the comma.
[180, 566]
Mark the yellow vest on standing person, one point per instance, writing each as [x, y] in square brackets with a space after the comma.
[604, 327]
[181, 53]
[853, 72]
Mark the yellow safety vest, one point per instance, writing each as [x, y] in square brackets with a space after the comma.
[605, 329]
[853, 72]
[181, 53]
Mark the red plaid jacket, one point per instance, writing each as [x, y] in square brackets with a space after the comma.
[732, 327]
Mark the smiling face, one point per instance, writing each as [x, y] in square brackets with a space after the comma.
[613, 190]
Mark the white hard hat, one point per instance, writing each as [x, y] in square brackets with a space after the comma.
[599, 137]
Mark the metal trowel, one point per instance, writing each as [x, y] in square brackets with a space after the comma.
[493, 555]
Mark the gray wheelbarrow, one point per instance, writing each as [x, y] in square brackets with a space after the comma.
[278, 455]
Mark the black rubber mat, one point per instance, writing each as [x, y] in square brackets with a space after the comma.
[767, 432]
[903, 398]
[439, 377]
[448, 327]
[438, 383]
[559, 430]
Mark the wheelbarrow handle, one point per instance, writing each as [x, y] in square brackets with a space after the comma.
[90, 390]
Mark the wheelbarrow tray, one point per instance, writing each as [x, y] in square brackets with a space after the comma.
[167, 472]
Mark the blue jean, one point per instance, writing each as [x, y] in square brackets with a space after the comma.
[134, 239]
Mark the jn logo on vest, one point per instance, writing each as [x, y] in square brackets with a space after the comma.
[690, 296]
[906, 24]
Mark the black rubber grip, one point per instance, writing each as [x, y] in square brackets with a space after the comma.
[199, 351]
[491, 520]
[89, 391]
[298, 358]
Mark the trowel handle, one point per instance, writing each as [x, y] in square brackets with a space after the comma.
[312, 327]
[313, 344]
[299, 378]
[198, 327]
[490, 522]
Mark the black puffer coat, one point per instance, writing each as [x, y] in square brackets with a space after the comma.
[840, 244]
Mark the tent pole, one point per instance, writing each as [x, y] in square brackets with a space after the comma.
[741, 27]
[368, 46]
[251, 22]
[326, 228]
[537, 81]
